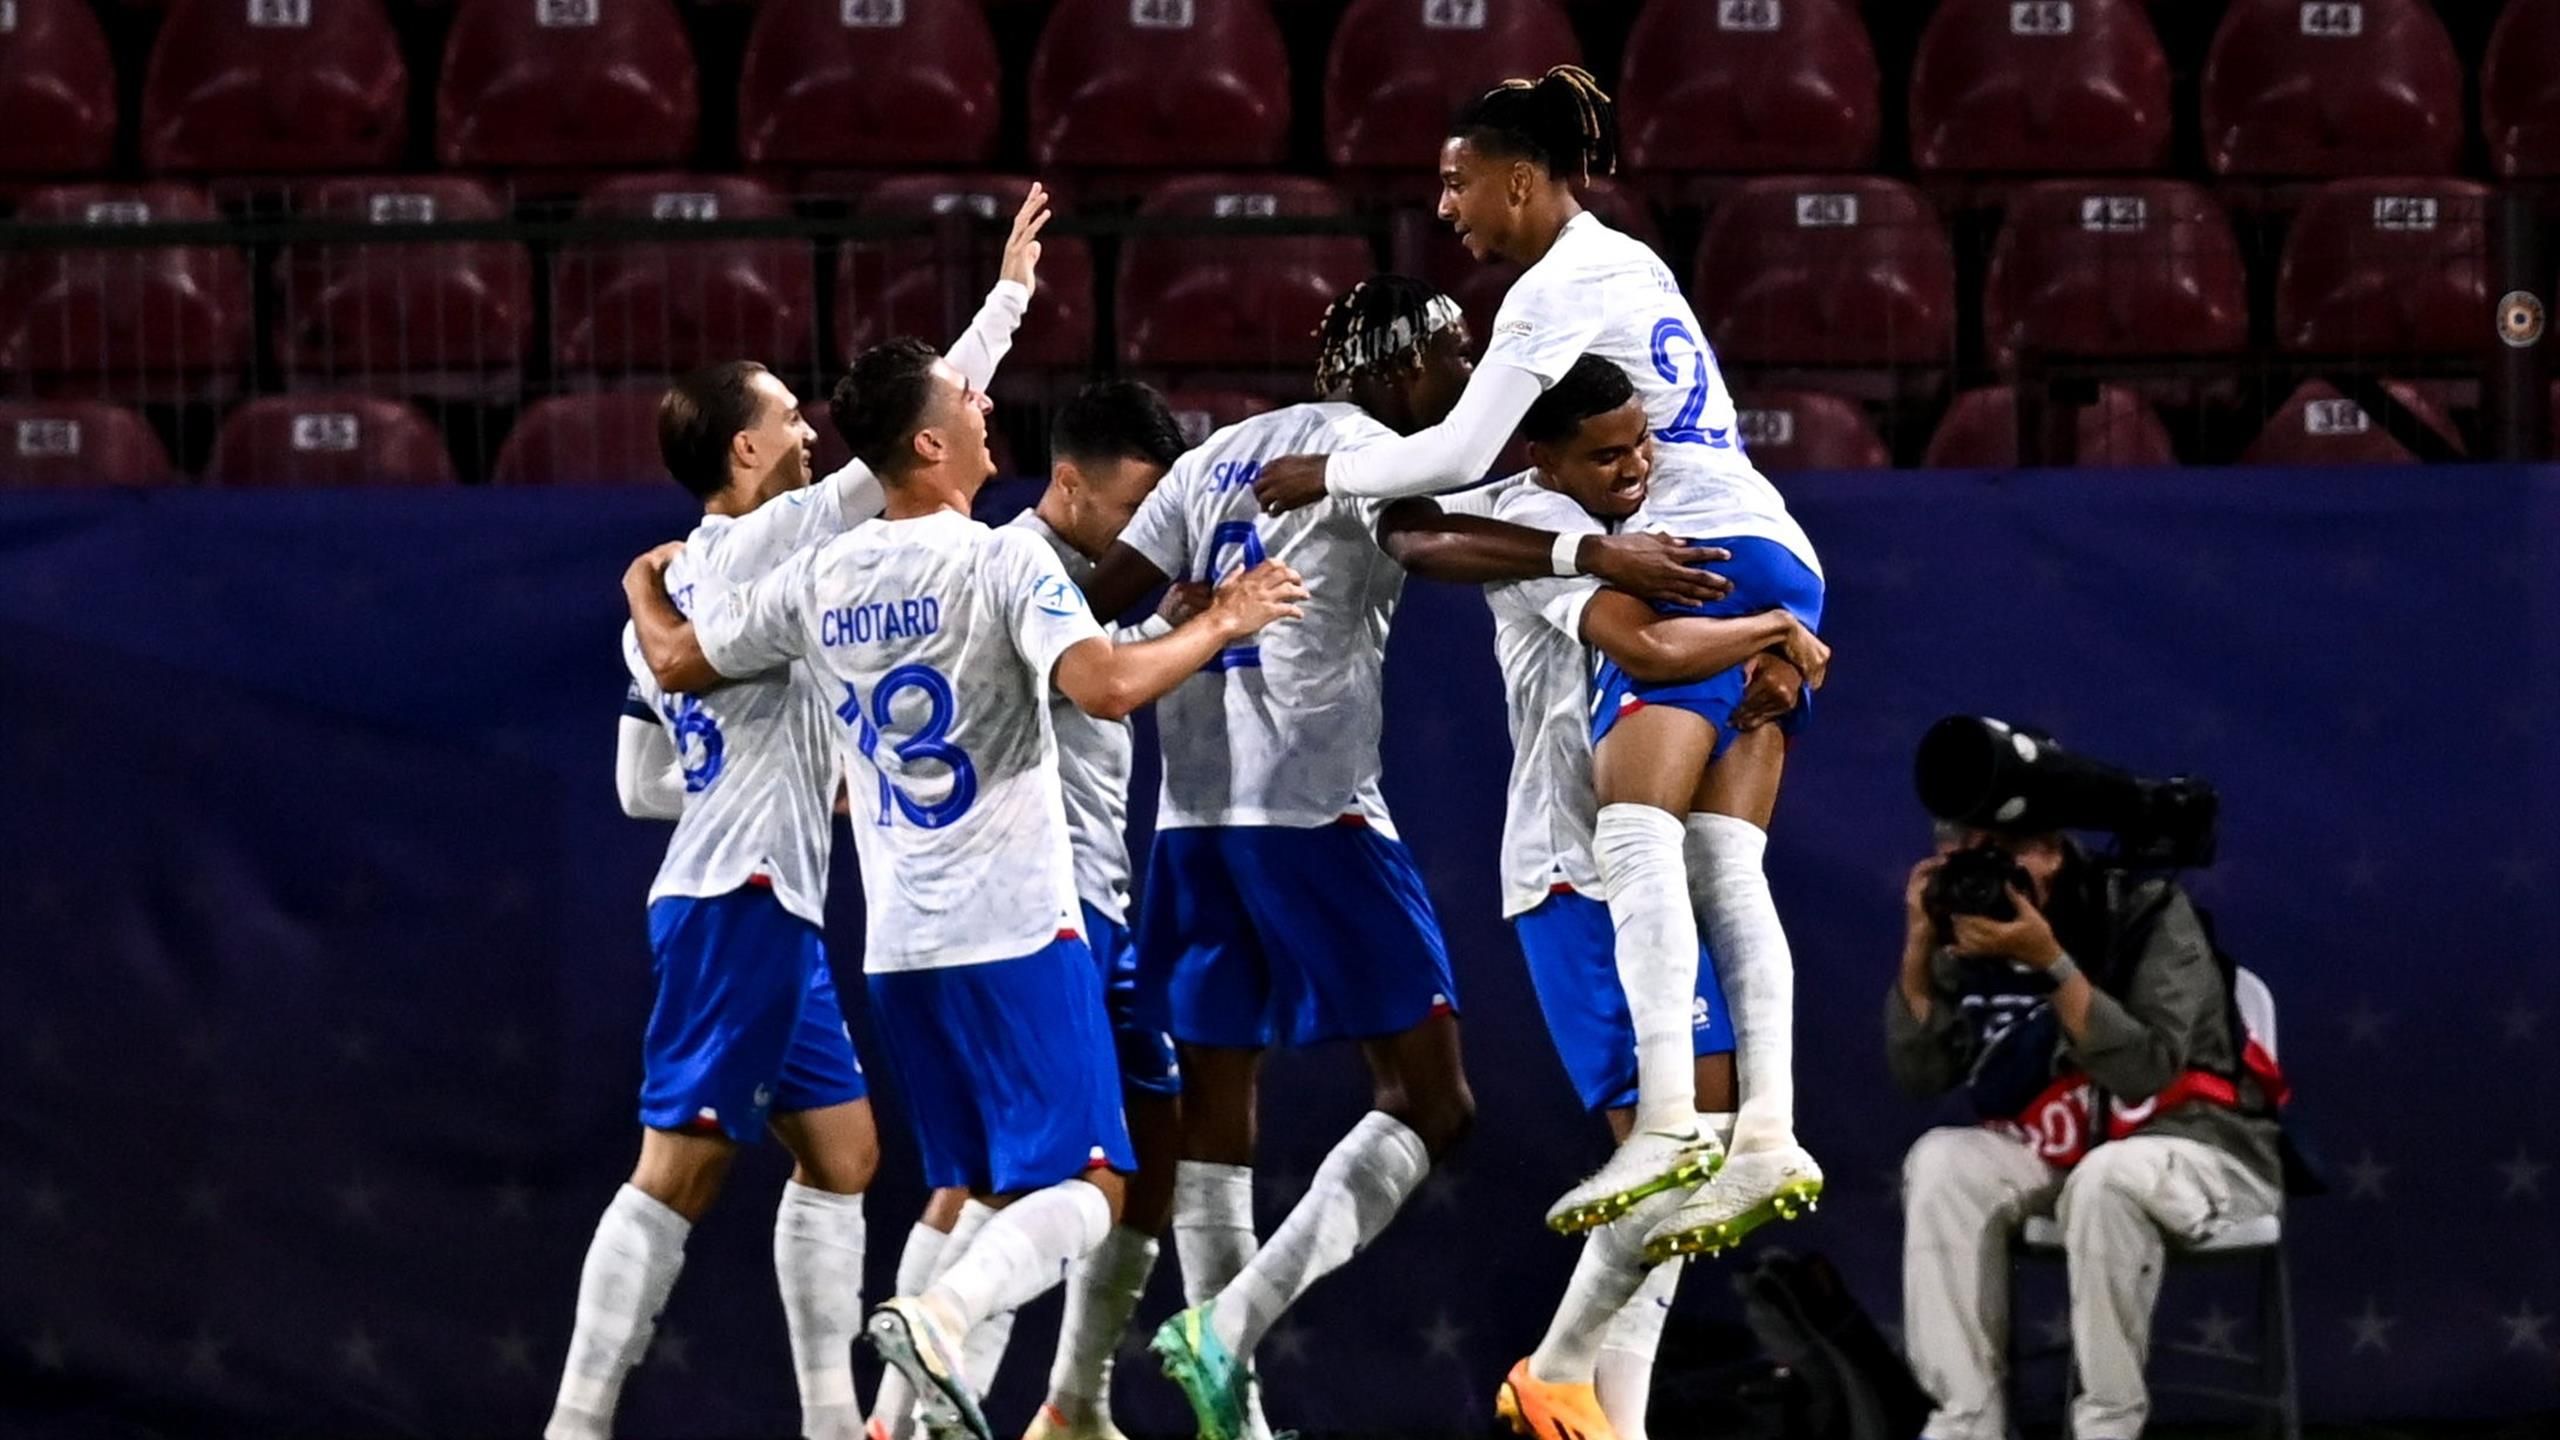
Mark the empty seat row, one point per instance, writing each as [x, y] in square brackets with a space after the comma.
[1791, 271]
[610, 437]
[1710, 86]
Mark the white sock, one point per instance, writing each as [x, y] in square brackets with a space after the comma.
[928, 1251]
[1212, 1225]
[817, 1257]
[1731, 890]
[1022, 1252]
[1624, 1372]
[1718, 1123]
[1638, 851]
[1357, 1190]
[631, 1266]
[1102, 1294]
[1606, 1276]
[982, 1355]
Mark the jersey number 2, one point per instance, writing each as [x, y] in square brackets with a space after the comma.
[1242, 537]
[1684, 428]
[928, 743]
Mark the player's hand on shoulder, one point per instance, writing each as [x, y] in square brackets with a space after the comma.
[1658, 567]
[1772, 688]
[1022, 247]
[1807, 652]
[654, 561]
[1251, 599]
[1289, 483]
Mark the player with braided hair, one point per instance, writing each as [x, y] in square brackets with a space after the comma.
[1280, 907]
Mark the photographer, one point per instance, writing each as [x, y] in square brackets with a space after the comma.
[2092, 1025]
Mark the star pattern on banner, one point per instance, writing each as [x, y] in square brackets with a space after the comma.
[2519, 1022]
[2365, 1177]
[2217, 1333]
[354, 1046]
[2524, 1330]
[2521, 870]
[2054, 1330]
[201, 1046]
[2364, 872]
[43, 1047]
[204, 1202]
[204, 1358]
[47, 1202]
[1442, 1338]
[357, 1200]
[1440, 1190]
[673, 1349]
[512, 1199]
[1287, 1343]
[48, 1352]
[2365, 1023]
[2372, 1328]
[511, 1043]
[2523, 1175]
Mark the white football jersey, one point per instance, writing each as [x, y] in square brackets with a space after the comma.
[1282, 729]
[1095, 758]
[1546, 679]
[1602, 292]
[933, 639]
[759, 776]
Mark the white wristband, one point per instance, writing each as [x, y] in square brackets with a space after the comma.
[1562, 559]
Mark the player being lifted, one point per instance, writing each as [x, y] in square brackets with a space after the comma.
[1280, 908]
[746, 1033]
[940, 639]
[1662, 753]
[1589, 440]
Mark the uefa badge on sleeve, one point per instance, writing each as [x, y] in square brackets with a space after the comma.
[2520, 318]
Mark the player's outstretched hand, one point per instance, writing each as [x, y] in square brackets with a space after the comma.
[1807, 653]
[1251, 599]
[1289, 483]
[1022, 247]
[1771, 690]
[1659, 567]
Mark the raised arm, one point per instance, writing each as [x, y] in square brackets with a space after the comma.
[982, 347]
[1473, 550]
[1451, 455]
[1113, 681]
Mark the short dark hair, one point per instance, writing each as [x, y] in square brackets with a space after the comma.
[700, 415]
[880, 403]
[1563, 120]
[1592, 387]
[1115, 420]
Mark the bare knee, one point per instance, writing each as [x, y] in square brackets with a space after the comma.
[1218, 1089]
[683, 1172]
[836, 1149]
[1114, 1187]
[1442, 1115]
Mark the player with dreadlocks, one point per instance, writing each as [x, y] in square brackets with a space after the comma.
[1280, 907]
[1686, 793]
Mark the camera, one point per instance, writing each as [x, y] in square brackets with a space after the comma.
[1988, 774]
[1975, 881]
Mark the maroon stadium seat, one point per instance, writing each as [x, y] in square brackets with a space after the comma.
[2318, 426]
[57, 90]
[2364, 88]
[1827, 270]
[123, 312]
[2387, 267]
[1399, 69]
[566, 84]
[275, 85]
[2114, 267]
[1200, 412]
[1160, 84]
[1789, 430]
[1744, 85]
[2520, 90]
[403, 310]
[1244, 301]
[904, 287]
[660, 305]
[868, 84]
[2020, 86]
[302, 442]
[607, 438]
[76, 444]
[1479, 285]
[1980, 431]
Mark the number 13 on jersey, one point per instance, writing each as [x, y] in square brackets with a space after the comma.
[930, 742]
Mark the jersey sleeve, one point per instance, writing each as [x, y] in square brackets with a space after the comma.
[1558, 600]
[766, 536]
[1160, 531]
[1043, 609]
[1543, 326]
[758, 627]
[982, 347]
